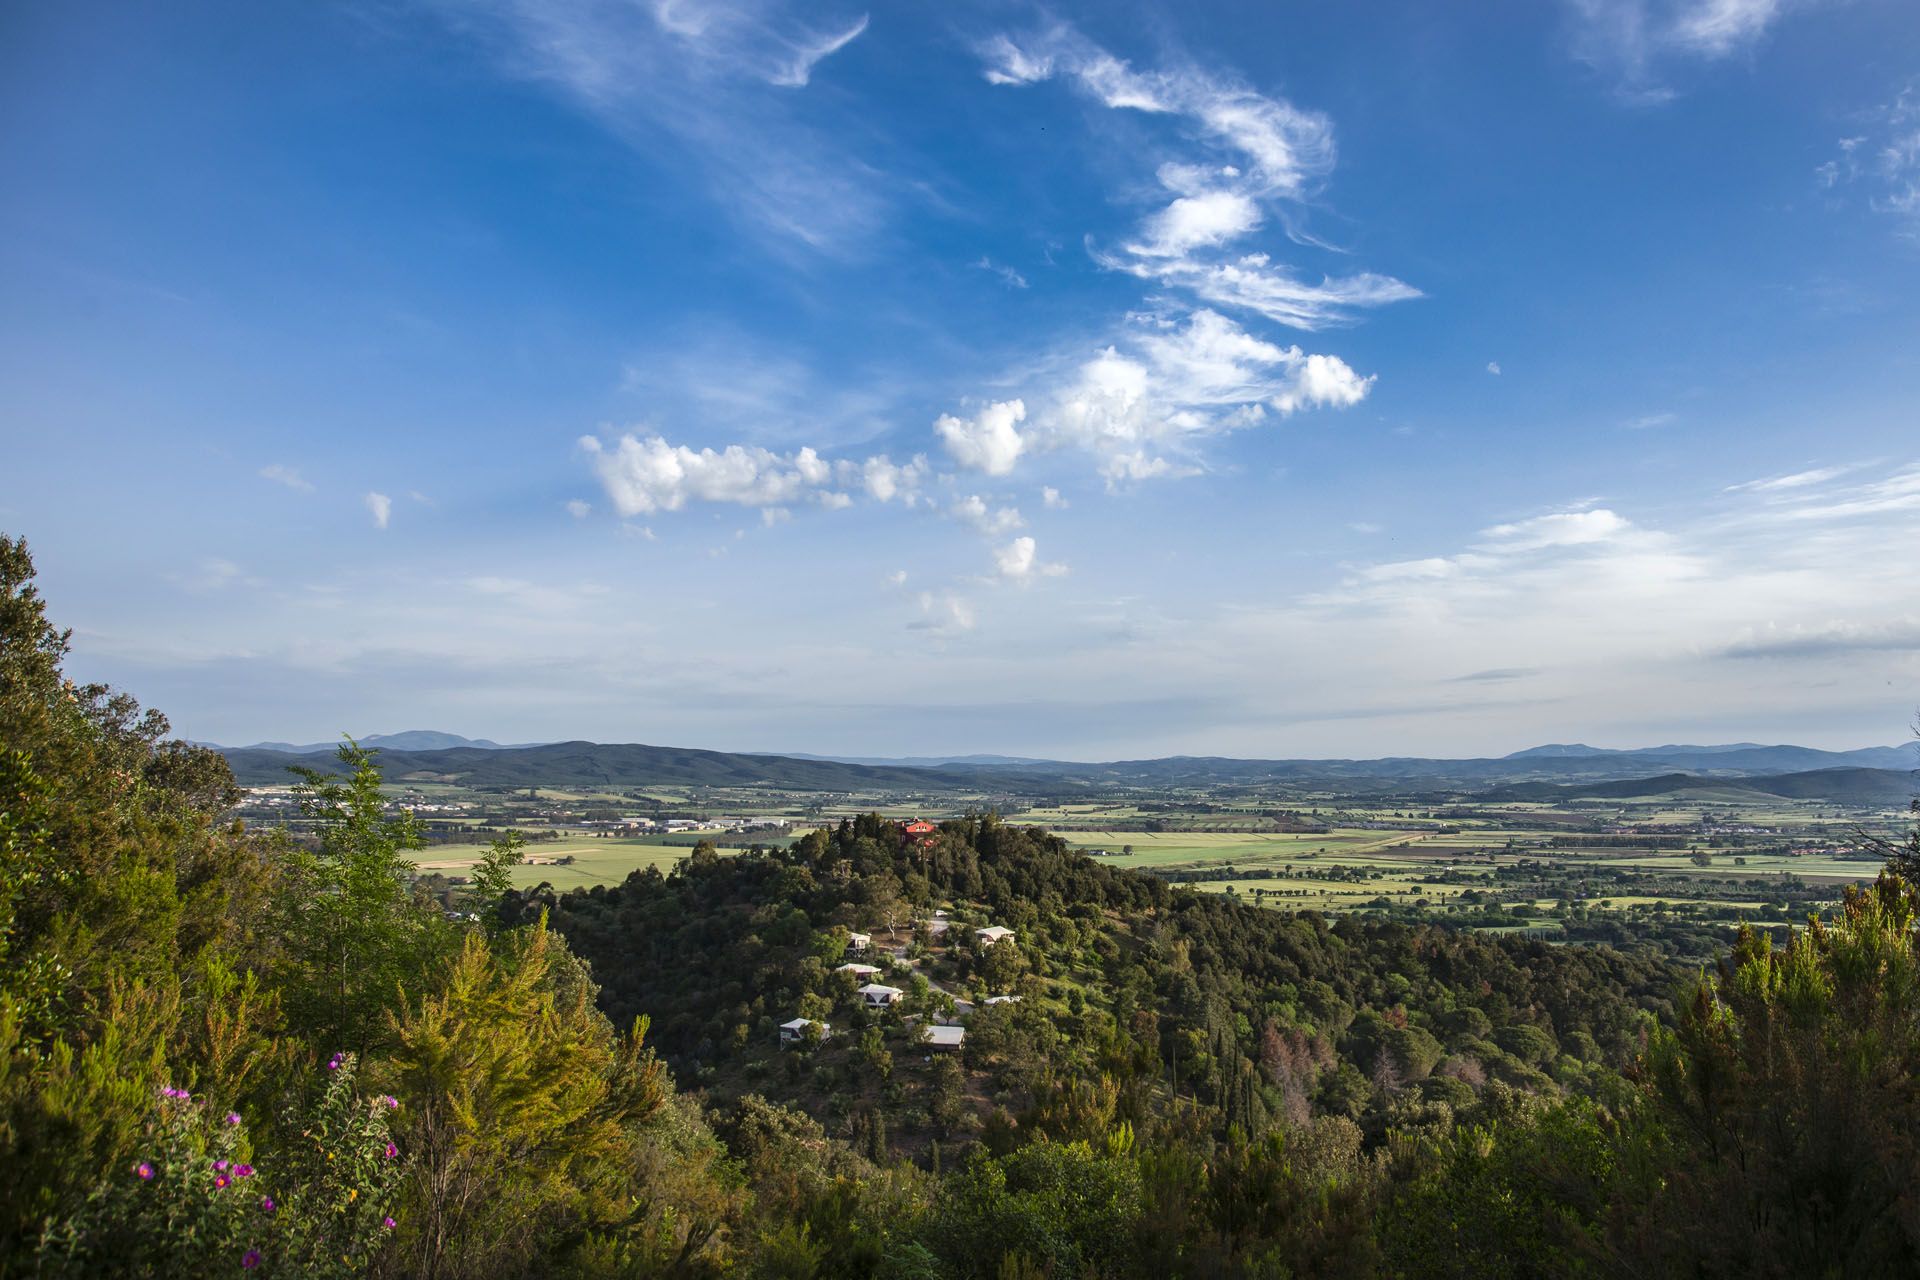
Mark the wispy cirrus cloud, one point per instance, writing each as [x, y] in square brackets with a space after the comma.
[711, 79]
[280, 473]
[1250, 160]
[1883, 160]
[1639, 44]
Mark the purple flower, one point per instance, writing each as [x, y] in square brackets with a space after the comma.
[243, 1171]
[393, 1103]
[266, 1204]
[388, 1223]
[143, 1171]
[250, 1259]
[220, 1181]
[220, 1165]
[392, 1151]
[233, 1117]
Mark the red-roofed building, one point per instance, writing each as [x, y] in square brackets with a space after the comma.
[920, 831]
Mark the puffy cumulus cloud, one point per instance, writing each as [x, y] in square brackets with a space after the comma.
[380, 507]
[1143, 406]
[884, 481]
[989, 441]
[943, 611]
[643, 475]
[1051, 499]
[1019, 561]
[1260, 153]
[974, 512]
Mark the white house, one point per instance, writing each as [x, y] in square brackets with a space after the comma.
[859, 941]
[946, 1037]
[991, 934]
[862, 971]
[878, 996]
[795, 1032]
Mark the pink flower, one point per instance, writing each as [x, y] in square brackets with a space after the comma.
[393, 1103]
[233, 1117]
[392, 1151]
[250, 1259]
[266, 1204]
[243, 1171]
[388, 1223]
[143, 1171]
[220, 1181]
[221, 1165]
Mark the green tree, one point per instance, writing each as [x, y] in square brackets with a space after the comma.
[522, 1109]
[354, 933]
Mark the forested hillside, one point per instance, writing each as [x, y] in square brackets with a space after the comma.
[223, 1049]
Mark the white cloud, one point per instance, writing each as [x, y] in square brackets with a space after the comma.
[1884, 161]
[707, 83]
[1200, 221]
[1258, 153]
[1797, 480]
[645, 475]
[1143, 407]
[973, 512]
[579, 508]
[380, 506]
[287, 476]
[1558, 529]
[1493, 367]
[884, 481]
[809, 51]
[1637, 43]
[1648, 421]
[1008, 276]
[943, 611]
[1051, 499]
[1019, 561]
[898, 578]
[990, 441]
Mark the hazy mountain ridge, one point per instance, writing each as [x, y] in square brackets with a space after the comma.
[635, 764]
[405, 740]
[1846, 785]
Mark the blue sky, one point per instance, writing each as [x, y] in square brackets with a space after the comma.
[1253, 379]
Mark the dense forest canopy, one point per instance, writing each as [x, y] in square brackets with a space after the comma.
[225, 1048]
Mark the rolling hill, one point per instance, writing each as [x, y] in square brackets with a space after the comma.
[1841, 786]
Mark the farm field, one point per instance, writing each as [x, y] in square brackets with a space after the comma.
[595, 861]
[1162, 850]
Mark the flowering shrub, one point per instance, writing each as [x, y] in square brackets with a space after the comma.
[194, 1202]
[341, 1175]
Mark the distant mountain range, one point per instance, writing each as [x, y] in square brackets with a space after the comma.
[424, 755]
[406, 740]
[1841, 786]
